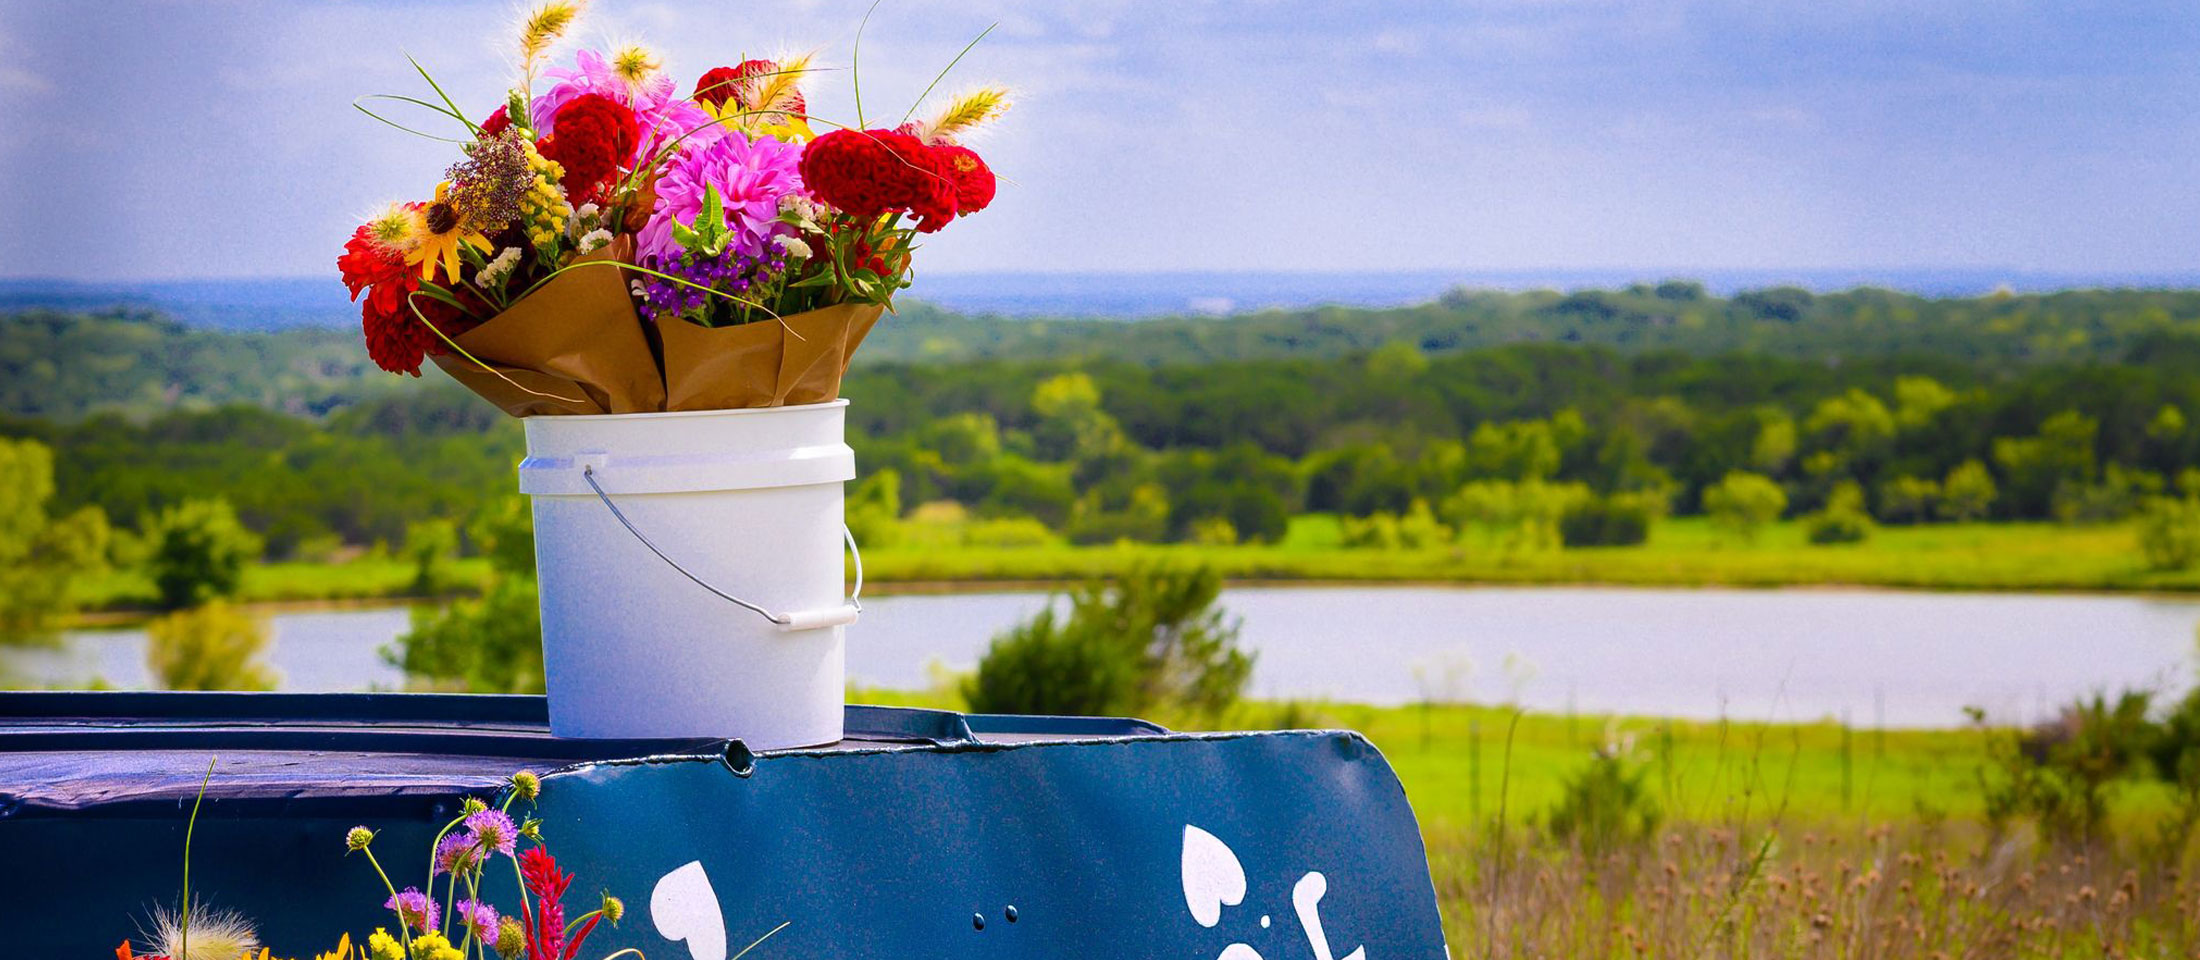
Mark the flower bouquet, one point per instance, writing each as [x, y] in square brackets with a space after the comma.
[668, 287]
[607, 244]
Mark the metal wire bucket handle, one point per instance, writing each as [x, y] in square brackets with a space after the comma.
[788, 620]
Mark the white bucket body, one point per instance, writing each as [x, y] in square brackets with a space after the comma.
[750, 502]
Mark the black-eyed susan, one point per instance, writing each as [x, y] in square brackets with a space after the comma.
[439, 229]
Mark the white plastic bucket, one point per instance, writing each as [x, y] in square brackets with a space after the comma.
[634, 644]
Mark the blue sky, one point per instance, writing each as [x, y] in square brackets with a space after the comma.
[210, 138]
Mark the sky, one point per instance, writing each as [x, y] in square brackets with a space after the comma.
[215, 138]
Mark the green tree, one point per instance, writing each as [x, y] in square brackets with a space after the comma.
[210, 647]
[199, 553]
[41, 558]
[1150, 638]
[2035, 467]
[1968, 493]
[874, 509]
[1745, 502]
[431, 546]
[492, 644]
[1908, 499]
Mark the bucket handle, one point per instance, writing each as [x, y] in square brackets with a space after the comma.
[789, 620]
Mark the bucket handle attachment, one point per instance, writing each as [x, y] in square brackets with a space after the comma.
[788, 620]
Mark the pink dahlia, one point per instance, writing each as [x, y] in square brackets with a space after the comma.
[751, 176]
[662, 114]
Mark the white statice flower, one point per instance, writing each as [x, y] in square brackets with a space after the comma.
[585, 220]
[496, 271]
[592, 241]
[793, 247]
[805, 211]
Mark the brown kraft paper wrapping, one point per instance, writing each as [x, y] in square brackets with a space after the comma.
[575, 346]
[768, 363]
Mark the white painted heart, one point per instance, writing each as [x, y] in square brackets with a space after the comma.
[1213, 877]
[684, 907]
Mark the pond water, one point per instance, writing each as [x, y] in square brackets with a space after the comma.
[1899, 659]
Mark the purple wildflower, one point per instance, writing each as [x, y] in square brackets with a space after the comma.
[456, 853]
[413, 909]
[493, 831]
[729, 272]
[480, 918]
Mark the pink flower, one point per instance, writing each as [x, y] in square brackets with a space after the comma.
[750, 176]
[659, 110]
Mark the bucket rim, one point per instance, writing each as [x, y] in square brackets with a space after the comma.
[679, 414]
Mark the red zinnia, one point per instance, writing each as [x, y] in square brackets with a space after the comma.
[497, 123]
[595, 137]
[396, 339]
[869, 172]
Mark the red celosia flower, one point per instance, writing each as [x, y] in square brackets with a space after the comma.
[973, 180]
[497, 123]
[595, 138]
[869, 172]
[739, 84]
[545, 928]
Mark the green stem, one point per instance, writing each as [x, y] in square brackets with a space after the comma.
[183, 936]
[759, 941]
[448, 827]
[404, 930]
[942, 75]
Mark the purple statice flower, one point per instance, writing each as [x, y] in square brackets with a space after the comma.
[729, 271]
[493, 831]
[659, 111]
[413, 909]
[751, 176]
[480, 918]
[455, 853]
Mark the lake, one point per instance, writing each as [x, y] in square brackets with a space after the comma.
[1898, 659]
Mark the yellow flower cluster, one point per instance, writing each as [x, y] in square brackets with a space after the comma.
[382, 946]
[543, 208]
[434, 946]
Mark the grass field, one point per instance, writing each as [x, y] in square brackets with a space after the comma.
[1683, 552]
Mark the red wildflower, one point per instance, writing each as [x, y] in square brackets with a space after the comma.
[595, 138]
[545, 928]
[497, 123]
[869, 172]
[973, 180]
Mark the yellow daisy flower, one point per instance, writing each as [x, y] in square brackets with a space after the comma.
[438, 229]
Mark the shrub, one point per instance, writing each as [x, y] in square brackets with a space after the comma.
[489, 645]
[1843, 520]
[199, 553]
[1744, 502]
[1152, 637]
[1619, 520]
[2169, 532]
[1604, 805]
[2059, 772]
[212, 647]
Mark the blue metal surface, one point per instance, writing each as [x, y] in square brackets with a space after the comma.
[914, 838]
